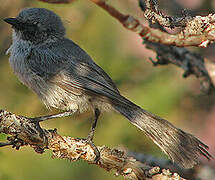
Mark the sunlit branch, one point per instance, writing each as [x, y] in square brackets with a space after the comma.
[24, 132]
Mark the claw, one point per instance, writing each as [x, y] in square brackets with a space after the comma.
[90, 136]
[2, 144]
[96, 151]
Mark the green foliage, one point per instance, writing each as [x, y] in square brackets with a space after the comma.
[2, 137]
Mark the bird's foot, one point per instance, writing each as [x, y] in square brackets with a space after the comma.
[14, 142]
[89, 140]
[52, 116]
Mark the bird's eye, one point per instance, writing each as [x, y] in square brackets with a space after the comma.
[37, 24]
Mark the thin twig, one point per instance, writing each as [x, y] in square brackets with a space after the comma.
[192, 63]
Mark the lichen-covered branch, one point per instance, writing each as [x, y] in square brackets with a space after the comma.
[25, 132]
[152, 12]
[199, 31]
[200, 172]
[159, 41]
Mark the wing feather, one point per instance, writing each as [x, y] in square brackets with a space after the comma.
[68, 66]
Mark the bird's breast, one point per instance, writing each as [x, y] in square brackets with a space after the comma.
[19, 52]
[50, 93]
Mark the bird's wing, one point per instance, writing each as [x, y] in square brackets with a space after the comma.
[67, 65]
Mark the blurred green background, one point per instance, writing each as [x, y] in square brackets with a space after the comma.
[161, 90]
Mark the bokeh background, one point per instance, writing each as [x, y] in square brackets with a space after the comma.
[161, 90]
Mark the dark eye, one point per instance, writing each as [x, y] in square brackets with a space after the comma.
[31, 27]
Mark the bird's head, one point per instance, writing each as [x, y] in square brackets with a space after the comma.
[37, 25]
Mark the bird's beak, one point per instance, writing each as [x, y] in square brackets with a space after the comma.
[14, 22]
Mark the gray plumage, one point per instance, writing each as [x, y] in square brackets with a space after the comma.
[65, 77]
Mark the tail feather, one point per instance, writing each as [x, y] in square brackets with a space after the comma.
[181, 147]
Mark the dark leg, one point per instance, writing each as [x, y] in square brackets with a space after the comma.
[91, 135]
[92, 131]
[44, 118]
[2, 144]
[14, 141]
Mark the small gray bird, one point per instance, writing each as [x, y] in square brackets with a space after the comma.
[65, 77]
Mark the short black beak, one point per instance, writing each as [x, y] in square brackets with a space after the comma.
[14, 22]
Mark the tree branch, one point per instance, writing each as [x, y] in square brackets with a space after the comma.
[25, 132]
[159, 41]
[199, 31]
[152, 12]
[191, 63]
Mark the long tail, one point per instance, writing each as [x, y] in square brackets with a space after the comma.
[181, 147]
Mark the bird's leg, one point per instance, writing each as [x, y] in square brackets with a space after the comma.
[2, 144]
[92, 131]
[44, 118]
[91, 135]
[14, 141]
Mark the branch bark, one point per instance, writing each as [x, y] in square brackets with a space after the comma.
[25, 132]
[152, 12]
[199, 31]
[191, 63]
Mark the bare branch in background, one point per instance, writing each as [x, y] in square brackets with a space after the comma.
[25, 132]
[191, 63]
[160, 42]
[200, 31]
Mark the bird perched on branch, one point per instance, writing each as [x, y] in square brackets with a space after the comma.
[65, 77]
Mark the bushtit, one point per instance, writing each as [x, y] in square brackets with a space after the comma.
[65, 77]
